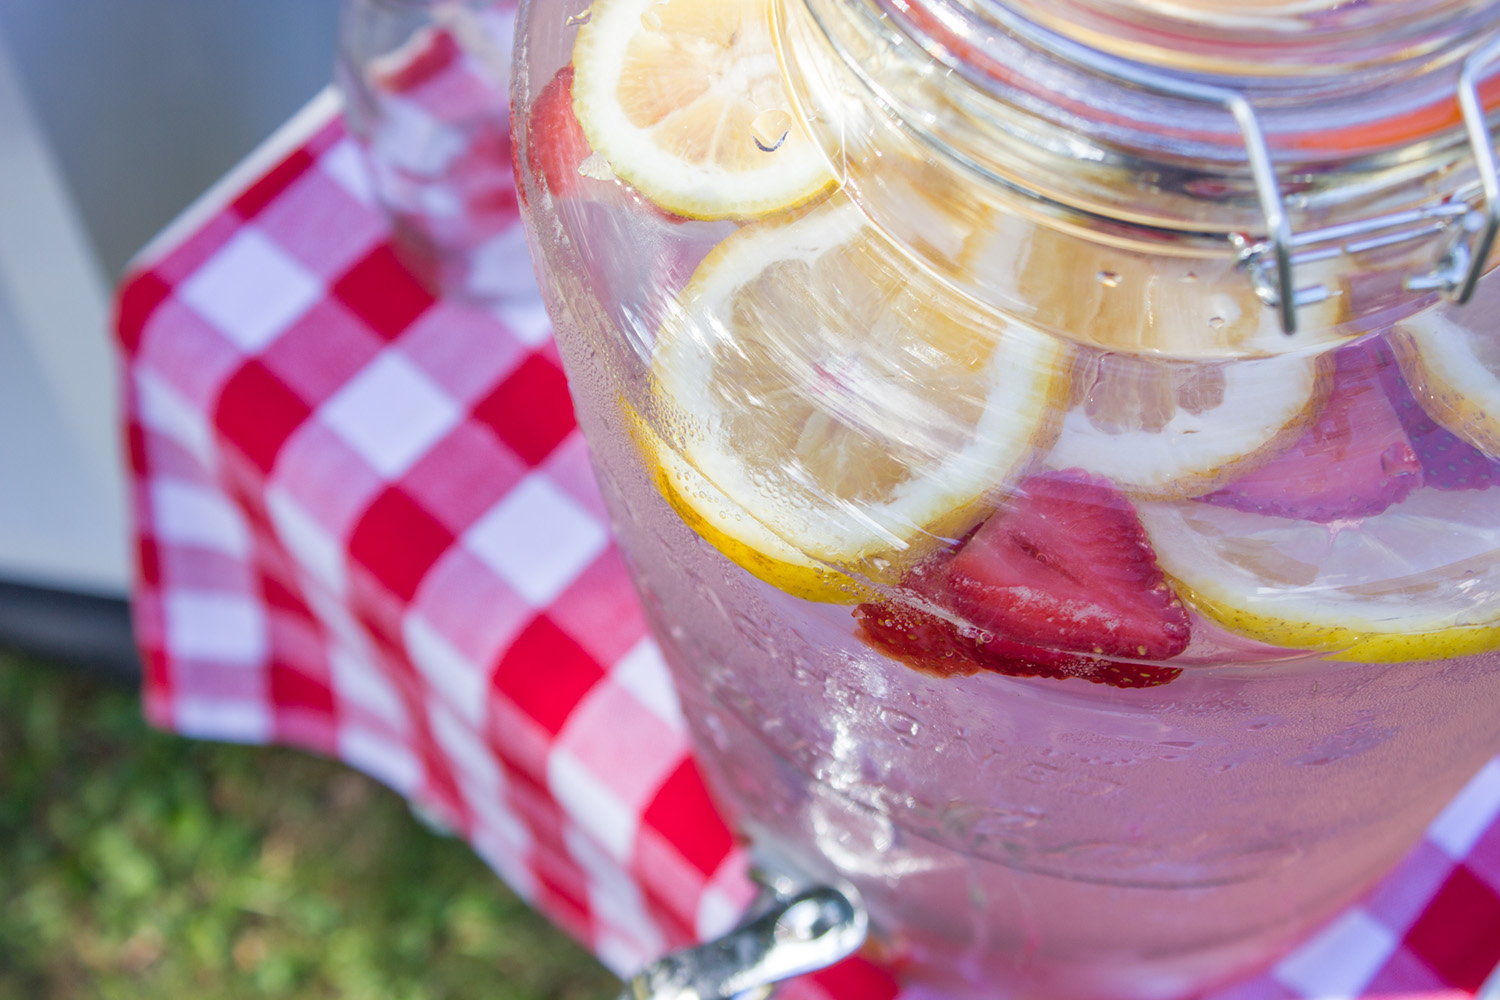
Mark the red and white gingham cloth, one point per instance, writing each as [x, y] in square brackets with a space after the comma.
[367, 526]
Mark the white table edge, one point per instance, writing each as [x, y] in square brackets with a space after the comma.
[303, 125]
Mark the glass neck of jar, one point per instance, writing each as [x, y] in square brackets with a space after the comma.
[1286, 46]
[1095, 138]
[1374, 184]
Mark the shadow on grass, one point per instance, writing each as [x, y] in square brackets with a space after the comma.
[136, 864]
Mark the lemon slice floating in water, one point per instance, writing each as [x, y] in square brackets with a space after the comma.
[814, 387]
[1420, 580]
[1165, 428]
[685, 101]
[1451, 359]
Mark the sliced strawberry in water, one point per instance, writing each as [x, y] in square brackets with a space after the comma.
[1354, 461]
[927, 642]
[1448, 462]
[1066, 565]
[1133, 675]
[922, 640]
[934, 643]
[1052, 584]
[555, 143]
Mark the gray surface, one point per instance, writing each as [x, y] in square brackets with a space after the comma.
[51, 530]
[78, 629]
[147, 102]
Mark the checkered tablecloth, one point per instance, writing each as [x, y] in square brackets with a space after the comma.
[367, 526]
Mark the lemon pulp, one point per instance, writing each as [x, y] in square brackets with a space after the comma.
[685, 101]
[832, 396]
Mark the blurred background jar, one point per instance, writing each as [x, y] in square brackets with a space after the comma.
[425, 84]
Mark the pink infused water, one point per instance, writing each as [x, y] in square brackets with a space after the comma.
[1034, 837]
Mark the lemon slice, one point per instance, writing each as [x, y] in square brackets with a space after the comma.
[685, 100]
[1451, 359]
[1122, 299]
[837, 399]
[1163, 428]
[746, 542]
[1420, 580]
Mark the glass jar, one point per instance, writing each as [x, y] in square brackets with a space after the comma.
[426, 93]
[1048, 444]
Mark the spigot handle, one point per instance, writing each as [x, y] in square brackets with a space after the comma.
[803, 932]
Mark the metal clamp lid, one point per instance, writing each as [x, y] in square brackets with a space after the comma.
[1271, 262]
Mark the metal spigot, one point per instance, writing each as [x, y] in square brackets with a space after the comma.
[792, 930]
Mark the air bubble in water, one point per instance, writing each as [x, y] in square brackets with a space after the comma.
[1217, 322]
[1109, 279]
[770, 129]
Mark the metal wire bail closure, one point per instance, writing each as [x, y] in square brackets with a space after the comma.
[1270, 264]
[1484, 157]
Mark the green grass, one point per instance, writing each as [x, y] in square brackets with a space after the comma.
[136, 864]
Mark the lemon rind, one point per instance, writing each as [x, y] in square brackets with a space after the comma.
[1344, 644]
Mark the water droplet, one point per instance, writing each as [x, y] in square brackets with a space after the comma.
[1091, 787]
[899, 722]
[1189, 277]
[597, 167]
[1217, 322]
[717, 733]
[1037, 773]
[770, 129]
[582, 17]
[755, 635]
[1109, 279]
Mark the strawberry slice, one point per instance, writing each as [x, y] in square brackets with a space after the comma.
[1354, 461]
[935, 645]
[554, 140]
[1047, 587]
[1067, 566]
